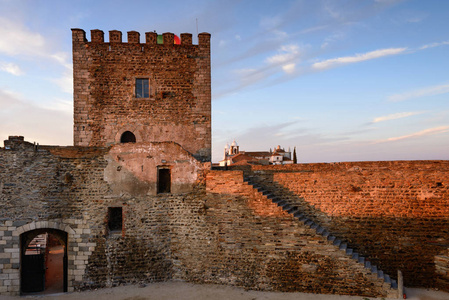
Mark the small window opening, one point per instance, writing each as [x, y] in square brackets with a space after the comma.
[142, 88]
[128, 137]
[115, 219]
[165, 95]
[164, 180]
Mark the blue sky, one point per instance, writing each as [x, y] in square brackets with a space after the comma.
[340, 80]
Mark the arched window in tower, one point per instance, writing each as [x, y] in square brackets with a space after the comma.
[128, 137]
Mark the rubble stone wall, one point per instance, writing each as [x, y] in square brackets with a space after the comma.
[67, 188]
[396, 213]
[281, 253]
[216, 229]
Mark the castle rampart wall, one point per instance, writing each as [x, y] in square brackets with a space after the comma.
[204, 235]
[220, 230]
[395, 212]
[72, 188]
[281, 252]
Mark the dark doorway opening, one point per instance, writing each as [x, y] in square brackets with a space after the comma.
[128, 137]
[163, 180]
[43, 258]
[115, 219]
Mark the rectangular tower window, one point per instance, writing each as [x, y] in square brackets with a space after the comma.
[115, 219]
[142, 88]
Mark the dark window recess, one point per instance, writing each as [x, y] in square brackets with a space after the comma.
[165, 95]
[142, 88]
[164, 181]
[115, 219]
[128, 137]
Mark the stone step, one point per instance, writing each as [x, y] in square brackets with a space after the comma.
[394, 284]
[355, 256]
[303, 219]
[281, 203]
[320, 230]
[343, 246]
[276, 200]
[292, 209]
[337, 242]
[368, 264]
[286, 206]
[298, 214]
[349, 251]
[380, 274]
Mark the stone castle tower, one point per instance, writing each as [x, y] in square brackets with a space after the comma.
[142, 92]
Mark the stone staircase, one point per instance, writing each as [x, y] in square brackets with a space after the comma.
[307, 214]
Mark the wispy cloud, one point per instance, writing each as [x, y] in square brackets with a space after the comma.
[433, 45]
[288, 57]
[249, 76]
[287, 54]
[395, 116]
[11, 68]
[426, 132]
[334, 62]
[424, 92]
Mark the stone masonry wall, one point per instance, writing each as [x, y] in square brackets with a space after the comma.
[259, 242]
[214, 236]
[395, 213]
[39, 190]
[224, 231]
[64, 188]
[178, 108]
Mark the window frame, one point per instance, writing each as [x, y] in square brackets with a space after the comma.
[139, 86]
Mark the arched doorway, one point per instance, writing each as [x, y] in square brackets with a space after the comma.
[128, 137]
[43, 257]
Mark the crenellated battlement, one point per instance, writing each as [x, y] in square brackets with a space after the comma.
[133, 37]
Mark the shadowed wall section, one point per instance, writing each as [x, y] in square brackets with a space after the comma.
[396, 213]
